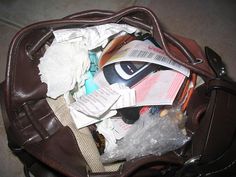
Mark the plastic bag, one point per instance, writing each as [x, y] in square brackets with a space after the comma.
[151, 134]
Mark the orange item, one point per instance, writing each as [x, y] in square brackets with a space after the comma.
[114, 46]
[188, 91]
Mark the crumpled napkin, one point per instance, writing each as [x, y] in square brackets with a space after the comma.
[66, 62]
[62, 66]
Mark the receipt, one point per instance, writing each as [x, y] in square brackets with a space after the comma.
[127, 96]
[159, 88]
[96, 103]
[146, 52]
[82, 120]
[105, 99]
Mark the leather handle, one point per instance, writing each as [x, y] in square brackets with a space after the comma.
[156, 29]
[227, 86]
[128, 15]
[90, 14]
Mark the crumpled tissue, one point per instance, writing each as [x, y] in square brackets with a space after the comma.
[62, 66]
[66, 62]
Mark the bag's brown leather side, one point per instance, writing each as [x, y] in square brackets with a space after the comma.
[196, 108]
[34, 122]
[214, 141]
[218, 124]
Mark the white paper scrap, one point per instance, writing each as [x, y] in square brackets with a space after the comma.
[104, 99]
[106, 129]
[127, 98]
[96, 103]
[81, 120]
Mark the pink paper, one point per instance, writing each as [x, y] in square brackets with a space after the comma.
[159, 88]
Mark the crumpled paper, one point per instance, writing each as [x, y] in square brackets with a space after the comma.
[66, 62]
[62, 66]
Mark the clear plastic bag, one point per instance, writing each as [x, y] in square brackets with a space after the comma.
[151, 134]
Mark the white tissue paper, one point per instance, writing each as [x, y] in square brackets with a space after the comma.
[66, 61]
[101, 104]
[62, 65]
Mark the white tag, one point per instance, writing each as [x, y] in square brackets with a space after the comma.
[104, 99]
[127, 98]
[81, 120]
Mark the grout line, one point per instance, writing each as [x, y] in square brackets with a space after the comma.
[12, 24]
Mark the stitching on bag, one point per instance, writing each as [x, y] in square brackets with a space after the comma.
[41, 118]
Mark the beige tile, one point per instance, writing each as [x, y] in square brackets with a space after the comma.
[26, 12]
[7, 32]
[10, 165]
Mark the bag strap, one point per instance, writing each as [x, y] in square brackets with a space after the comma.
[155, 23]
[154, 27]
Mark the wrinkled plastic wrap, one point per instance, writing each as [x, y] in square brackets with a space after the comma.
[151, 134]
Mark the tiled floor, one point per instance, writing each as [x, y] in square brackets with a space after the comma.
[210, 23]
[10, 166]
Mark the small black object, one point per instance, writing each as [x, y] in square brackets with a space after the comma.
[149, 37]
[129, 115]
[131, 72]
[127, 72]
[216, 63]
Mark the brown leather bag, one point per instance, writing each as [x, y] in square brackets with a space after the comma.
[47, 148]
